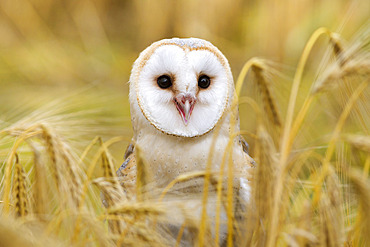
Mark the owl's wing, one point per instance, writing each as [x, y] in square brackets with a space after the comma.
[129, 150]
[127, 171]
[244, 144]
[248, 159]
[245, 181]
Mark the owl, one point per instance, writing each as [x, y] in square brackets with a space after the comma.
[181, 95]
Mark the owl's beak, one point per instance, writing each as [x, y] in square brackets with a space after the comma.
[185, 104]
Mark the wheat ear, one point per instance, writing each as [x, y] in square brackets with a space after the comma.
[269, 100]
[21, 200]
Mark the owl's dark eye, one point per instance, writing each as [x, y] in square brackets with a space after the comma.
[204, 81]
[164, 81]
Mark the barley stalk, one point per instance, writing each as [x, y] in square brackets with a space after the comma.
[287, 138]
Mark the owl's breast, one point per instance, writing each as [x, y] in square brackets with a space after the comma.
[170, 156]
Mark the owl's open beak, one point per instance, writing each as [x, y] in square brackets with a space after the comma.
[185, 104]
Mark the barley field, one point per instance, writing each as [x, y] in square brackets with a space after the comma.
[302, 73]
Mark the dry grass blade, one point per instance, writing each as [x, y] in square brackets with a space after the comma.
[143, 175]
[180, 179]
[110, 193]
[107, 165]
[21, 200]
[138, 208]
[243, 74]
[207, 180]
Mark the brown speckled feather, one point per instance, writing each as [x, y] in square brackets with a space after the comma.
[127, 175]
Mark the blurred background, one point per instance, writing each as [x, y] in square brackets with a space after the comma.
[68, 62]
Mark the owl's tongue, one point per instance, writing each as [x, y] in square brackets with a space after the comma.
[185, 104]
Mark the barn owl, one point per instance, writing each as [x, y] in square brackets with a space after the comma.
[181, 91]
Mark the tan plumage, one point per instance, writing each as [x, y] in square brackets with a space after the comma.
[174, 125]
[127, 173]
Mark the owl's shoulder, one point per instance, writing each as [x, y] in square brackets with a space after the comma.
[248, 159]
[129, 150]
[127, 171]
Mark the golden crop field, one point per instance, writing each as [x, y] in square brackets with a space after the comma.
[302, 72]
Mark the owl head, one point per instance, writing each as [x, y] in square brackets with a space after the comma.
[181, 86]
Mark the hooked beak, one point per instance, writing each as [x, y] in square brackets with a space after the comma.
[185, 104]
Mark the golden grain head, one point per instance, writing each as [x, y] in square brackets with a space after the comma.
[20, 193]
[269, 101]
[361, 142]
